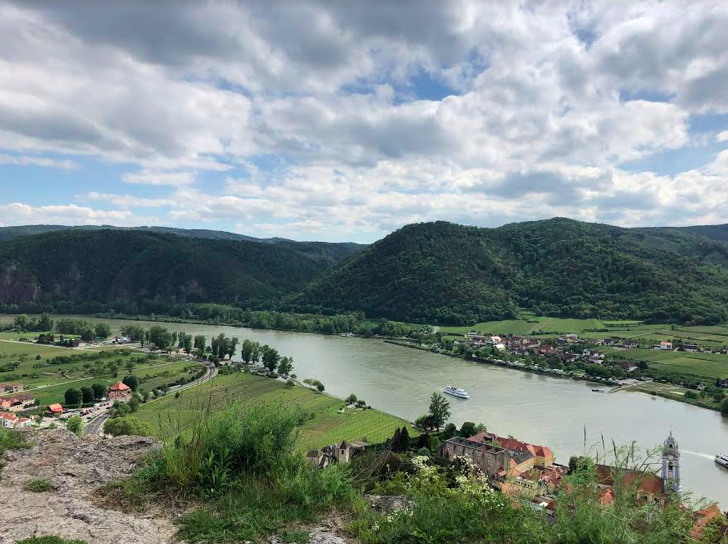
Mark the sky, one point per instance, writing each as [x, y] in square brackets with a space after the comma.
[345, 120]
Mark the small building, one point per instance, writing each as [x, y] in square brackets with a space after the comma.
[345, 451]
[119, 391]
[11, 387]
[9, 420]
[317, 458]
[17, 403]
[54, 410]
[665, 345]
[692, 348]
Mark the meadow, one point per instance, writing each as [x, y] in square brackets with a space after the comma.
[322, 424]
[48, 381]
[702, 365]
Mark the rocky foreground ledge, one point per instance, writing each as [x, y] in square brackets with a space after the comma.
[76, 467]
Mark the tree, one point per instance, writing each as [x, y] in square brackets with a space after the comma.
[21, 322]
[114, 368]
[285, 366]
[320, 387]
[200, 342]
[450, 431]
[133, 403]
[45, 323]
[129, 366]
[127, 426]
[247, 351]
[403, 442]
[257, 351]
[439, 410]
[88, 334]
[160, 337]
[270, 358]
[131, 381]
[73, 397]
[87, 394]
[467, 429]
[99, 391]
[75, 425]
[103, 330]
[232, 347]
[351, 399]
[724, 407]
[186, 343]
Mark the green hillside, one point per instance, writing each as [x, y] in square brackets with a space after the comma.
[135, 270]
[446, 273]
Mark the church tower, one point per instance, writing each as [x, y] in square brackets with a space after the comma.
[670, 465]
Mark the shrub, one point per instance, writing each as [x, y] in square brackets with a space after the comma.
[127, 426]
[48, 540]
[75, 425]
[724, 407]
[40, 485]
[240, 439]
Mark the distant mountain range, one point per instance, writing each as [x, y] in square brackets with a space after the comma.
[429, 272]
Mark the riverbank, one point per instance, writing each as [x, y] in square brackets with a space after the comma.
[556, 373]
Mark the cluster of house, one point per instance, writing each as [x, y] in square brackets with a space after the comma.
[15, 400]
[513, 466]
[336, 453]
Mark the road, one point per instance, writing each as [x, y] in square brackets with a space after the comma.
[96, 425]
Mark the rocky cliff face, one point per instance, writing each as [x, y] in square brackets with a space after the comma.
[76, 467]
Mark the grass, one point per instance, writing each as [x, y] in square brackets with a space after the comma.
[323, 424]
[40, 485]
[702, 365]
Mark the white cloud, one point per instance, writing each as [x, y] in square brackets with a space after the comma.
[27, 160]
[549, 100]
[17, 213]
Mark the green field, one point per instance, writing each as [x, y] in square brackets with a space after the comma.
[531, 325]
[323, 424]
[703, 365]
[49, 381]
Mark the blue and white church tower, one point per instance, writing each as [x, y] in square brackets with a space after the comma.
[670, 465]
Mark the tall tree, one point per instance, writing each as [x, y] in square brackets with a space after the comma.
[87, 395]
[73, 397]
[232, 347]
[247, 351]
[270, 358]
[102, 330]
[99, 391]
[187, 344]
[439, 410]
[285, 366]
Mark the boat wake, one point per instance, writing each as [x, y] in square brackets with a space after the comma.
[704, 455]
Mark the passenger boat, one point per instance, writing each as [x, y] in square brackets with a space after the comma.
[722, 460]
[457, 392]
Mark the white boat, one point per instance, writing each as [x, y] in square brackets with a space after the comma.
[457, 392]
[722, 460]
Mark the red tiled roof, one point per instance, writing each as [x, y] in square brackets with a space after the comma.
[55, 408]
[119, 386]
[8, 415]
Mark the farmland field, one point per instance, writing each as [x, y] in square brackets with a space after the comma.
[531, 326]
[704, 365]
[323, 426]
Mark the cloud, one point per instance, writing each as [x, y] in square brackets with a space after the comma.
[17, 213]
[152, 177]
[313, 116]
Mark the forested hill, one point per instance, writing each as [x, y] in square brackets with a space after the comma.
[446, 273]
[126, 269]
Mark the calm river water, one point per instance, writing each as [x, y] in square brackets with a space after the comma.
[542, 410]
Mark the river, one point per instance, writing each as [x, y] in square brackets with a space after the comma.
[539, 409]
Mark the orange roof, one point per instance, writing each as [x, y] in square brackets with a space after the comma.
[703, 517]
[8, 415]
[119, 386]
[55, 408]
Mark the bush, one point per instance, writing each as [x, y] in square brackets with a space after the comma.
[75, 425]
[41, 485]
[127, 426]
[48, 540]
[237, 440]
[724, 407]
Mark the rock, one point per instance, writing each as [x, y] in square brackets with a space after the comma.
[76, 467]
[389, 503]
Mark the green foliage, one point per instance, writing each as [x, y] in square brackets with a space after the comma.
[73, 397]
[87, 395]
[135, 271]
[11, 440]
[439, 410]
[724, 407]
[131, 381]
[446, 273]
[40, 485]
[102, 330]
[75, 425]
[48, 540]
[127, 426]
